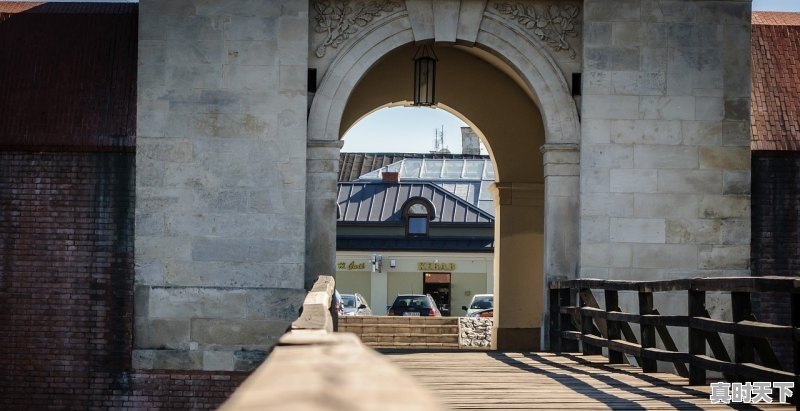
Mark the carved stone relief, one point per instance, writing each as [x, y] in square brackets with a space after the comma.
[552, 24]
[341, 19]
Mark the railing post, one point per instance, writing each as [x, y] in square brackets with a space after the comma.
[697, 338]
[742, 346]
[613, 332]
[587, 328]
[565, 320]
[555, 321]
[648, 332]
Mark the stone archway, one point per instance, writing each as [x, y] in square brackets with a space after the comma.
[527, 56]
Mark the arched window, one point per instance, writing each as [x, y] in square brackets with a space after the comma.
[418, 213]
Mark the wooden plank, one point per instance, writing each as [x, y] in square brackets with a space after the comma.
[625, 347]
[665, 285]
[731, 284]
[594, 340]
[511, 381]
[667, 356]
[745, 284]
[752, 328]
[711, 325]
[665, 320]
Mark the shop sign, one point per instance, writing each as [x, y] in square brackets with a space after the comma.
[425, 266]
[352, 265]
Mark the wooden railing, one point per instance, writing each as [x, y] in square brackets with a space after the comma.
[315, 368]
[575, 316]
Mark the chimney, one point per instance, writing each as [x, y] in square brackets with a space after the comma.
[469, 142]
[391, 177]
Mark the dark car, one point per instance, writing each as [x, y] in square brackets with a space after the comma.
[414, 305]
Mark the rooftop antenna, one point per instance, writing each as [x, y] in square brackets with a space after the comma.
[439, 146]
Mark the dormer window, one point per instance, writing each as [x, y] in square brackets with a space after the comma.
[418, 213]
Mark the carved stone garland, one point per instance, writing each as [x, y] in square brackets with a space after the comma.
[551, 24]
[341, 19]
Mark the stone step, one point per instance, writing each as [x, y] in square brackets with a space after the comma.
[399, 329]
[392, 338]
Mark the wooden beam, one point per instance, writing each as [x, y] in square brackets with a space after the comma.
[648, 332]
[718, 348]
[742, 346]
[669, 344]
[612, 327]
[587, 324]
[697, 340]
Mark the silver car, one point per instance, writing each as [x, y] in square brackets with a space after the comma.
[480, 302]
[355, 304]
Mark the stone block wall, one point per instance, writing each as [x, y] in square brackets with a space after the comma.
[221, 178]
[665, 157]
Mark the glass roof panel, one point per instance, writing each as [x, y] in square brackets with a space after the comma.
[453, 168]
[432, 168]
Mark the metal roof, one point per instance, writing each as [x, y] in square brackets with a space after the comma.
[354, 165]
[378, 202]
[482, 244]
[467, 178]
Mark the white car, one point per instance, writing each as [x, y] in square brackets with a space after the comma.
[479, 302]
[355, 304]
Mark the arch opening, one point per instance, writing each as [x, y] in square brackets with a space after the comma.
[514, 122]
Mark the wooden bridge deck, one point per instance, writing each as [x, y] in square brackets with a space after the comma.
[518, 381]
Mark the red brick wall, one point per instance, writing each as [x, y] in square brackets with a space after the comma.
[176, 390]
[66, 290]
[775, 232]
[776, 214]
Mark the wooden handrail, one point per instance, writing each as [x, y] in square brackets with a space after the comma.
[315, 368]
[576, 317]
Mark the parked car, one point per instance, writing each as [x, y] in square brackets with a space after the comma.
[479, 302]
[355, 304]
[483, 313]
[414, 305]
[337, 302]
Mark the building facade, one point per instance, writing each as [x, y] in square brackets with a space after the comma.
[418, 225]
[188, 206]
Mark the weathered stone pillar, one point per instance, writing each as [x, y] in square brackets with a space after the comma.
[322, 166]
[519, 238]
[561, 210]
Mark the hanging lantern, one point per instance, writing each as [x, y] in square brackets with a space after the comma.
[425, 77]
